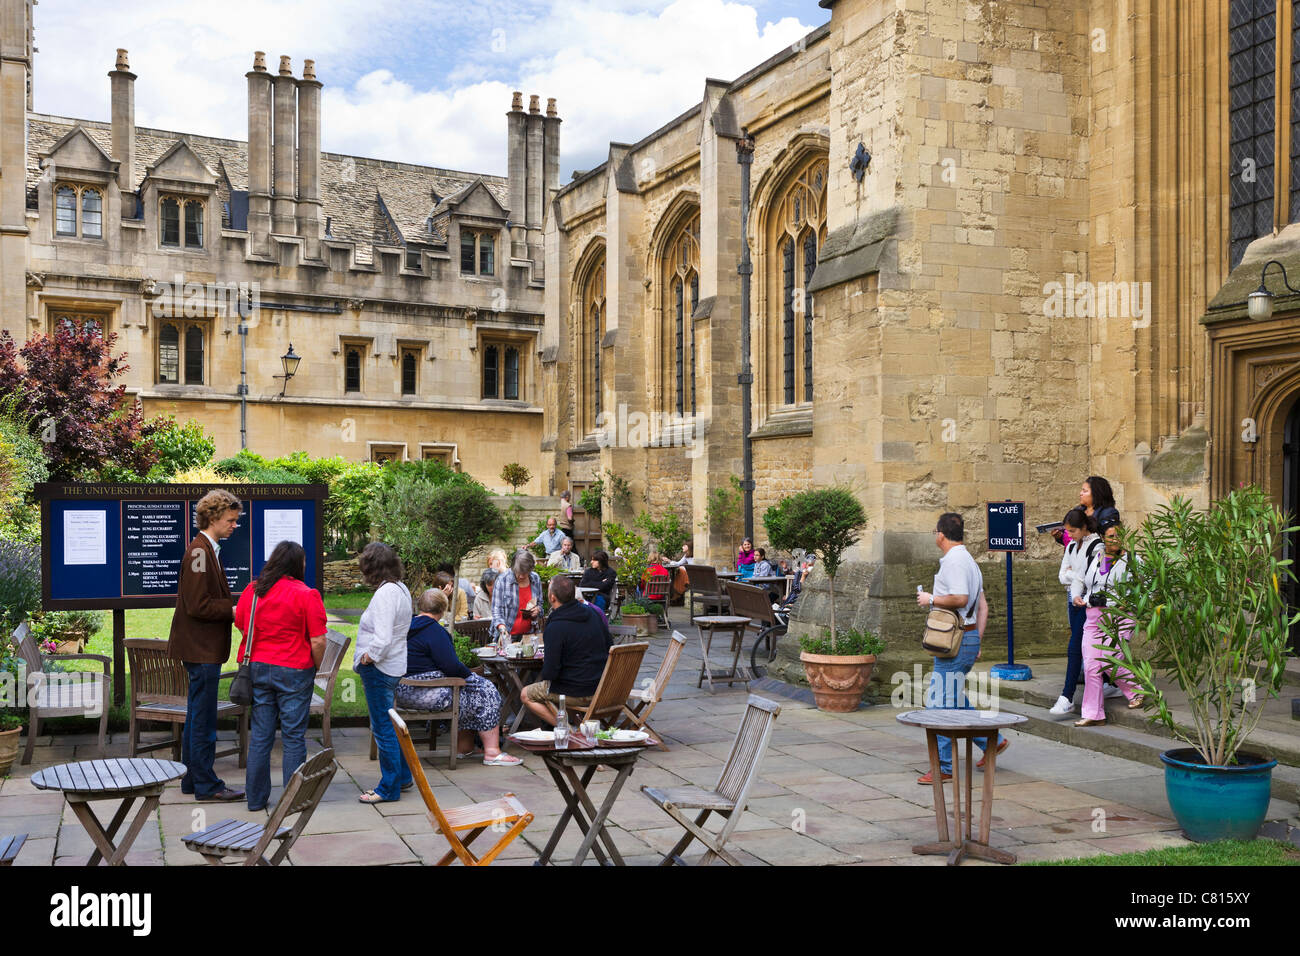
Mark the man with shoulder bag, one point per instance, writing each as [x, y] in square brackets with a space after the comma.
[959, 587]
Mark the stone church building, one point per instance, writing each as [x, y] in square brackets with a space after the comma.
[996, 248]
[412, 294]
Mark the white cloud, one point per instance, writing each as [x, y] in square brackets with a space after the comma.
[408, 81]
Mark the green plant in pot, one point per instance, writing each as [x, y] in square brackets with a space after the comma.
[65, 632]
[827, 522]
[635, 615]
[1206, 590]
[11, 717]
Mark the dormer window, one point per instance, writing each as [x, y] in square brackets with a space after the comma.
[169, 218]
[477, 253]
[68, 200]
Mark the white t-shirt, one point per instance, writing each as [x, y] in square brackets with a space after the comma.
[382, 630]
[959, 574]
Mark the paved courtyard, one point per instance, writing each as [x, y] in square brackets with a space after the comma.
[834, 790]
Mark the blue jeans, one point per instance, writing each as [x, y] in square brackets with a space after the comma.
[1074, 653]
[393, 771]
[948, 689]
[199, 738]
[601, 601]
[281, 695]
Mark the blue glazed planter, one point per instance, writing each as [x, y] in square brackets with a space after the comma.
[1217, 803]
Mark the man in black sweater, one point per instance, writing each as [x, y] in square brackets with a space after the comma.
[577, 642]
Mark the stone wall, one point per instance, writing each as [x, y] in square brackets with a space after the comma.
[780, 469]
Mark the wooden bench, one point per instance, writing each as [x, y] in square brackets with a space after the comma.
[9, 847]
[336, 648]
[63, 694]
[160, 694]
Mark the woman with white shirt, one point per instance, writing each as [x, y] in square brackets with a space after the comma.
[1084, 544]
[380, 662]
[1107, 567]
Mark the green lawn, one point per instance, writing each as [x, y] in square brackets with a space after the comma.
[349, 699]
[1222, 853]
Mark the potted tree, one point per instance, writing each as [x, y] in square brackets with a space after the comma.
[827, 521]
[1205, 589]
[632, 559]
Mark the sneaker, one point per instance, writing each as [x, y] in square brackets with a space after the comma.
[1112, 691]
[1062, 707]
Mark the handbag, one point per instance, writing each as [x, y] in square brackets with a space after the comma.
[943, 632]
[241, 687]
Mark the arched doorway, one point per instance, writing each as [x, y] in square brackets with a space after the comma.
[1291, 504]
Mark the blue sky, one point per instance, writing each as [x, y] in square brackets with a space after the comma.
[422, 81]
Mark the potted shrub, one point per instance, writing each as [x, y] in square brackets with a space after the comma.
[634, 615]
[1206, 589]
[826, 522]
[11, 721]
[65, 632]
[839, 671]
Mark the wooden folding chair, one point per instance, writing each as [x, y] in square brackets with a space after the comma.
[249, 841]
[336, 648]
[477, 630]
[475, 817]
[609, 701]
[431, 717]
[642, 701]
[63, 694]
[706, 590]
[729, 797]
[656, 592]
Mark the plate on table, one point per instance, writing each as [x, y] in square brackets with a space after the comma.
[535, 736]
[488, 651]
[624, 738]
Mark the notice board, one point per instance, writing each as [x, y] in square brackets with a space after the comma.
[119, 546]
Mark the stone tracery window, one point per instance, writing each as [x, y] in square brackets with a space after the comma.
[681, 284]
[591, 328]
[797, 230]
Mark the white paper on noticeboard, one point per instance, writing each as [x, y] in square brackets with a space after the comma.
[280, 524]
[85, 537]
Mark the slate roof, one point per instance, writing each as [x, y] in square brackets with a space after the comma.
[355, 191]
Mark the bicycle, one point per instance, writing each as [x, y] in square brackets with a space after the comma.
[768, 635]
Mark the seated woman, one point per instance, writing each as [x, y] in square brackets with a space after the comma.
[654, 569]
[483, 599]
[762, 567]
[430, 655]
[601, 578]
[745, 559]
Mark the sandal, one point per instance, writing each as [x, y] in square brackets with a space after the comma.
[502, 759]
[1136, 702]
[371, 797]
[1090, 723]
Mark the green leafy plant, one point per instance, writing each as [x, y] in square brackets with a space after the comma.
[669, 533]
[22, 466]
[851, 641]
[180, 446]
[630, 553]
[516, 476]
[1207, 590]
[825, 521]
[654, 607]
[617, 490]
[20, 583]
[465, 651]
[591, 498]
[633, 609]
[58, 626]
[548, 571]
[722, 509]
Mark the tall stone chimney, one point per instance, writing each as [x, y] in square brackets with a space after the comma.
[123, 82]
[550, 155]
[283, 174]
[309, 204]
[533, 199]
[259, 154]
[517, 175]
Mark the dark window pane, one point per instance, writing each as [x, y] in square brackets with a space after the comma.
[467, 252]
[678, 346]
[171, 222]
[512, 374]
[695, 300]
[352, 370]
[169, 355]
[595, 359]
[408, 373]
[92, 214]
[787, 324]
[194, 355]
[809, 266]
[1251, 88]
[490, 371]
[194, 225]
[65, 211]
[486, 247]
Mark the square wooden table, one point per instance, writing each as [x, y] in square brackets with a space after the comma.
[705, 625]
[962, 724]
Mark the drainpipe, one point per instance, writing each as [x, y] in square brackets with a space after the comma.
[745, 156]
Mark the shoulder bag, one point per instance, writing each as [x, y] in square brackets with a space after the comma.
[943, 632]
[241, 686]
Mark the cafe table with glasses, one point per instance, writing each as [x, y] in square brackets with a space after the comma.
[511, 674]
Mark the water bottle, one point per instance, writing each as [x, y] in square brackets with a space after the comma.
[561, 727]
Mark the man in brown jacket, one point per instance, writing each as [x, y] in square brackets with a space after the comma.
[200, 638]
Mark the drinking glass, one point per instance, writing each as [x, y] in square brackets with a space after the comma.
[561, 737]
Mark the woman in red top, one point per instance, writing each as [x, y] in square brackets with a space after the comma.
[285, 620]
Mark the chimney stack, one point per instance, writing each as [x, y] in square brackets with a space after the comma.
[517, 175]
[309, 204]
[551, 155]
[283, 174]
[259, 155]
[123, 106]
[533, 199]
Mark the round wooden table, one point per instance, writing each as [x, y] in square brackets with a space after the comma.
[962, 725]
[121, 778]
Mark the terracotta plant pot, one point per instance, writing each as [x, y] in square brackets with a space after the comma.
[8, 748]
[644, 623]
[72, 646]
[838, 681]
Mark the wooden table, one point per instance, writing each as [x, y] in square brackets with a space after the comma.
[510, 673]
[780, 579]
[563, 766]
[706, 625]
[122, 778]
[962, 725]
[728, 574]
